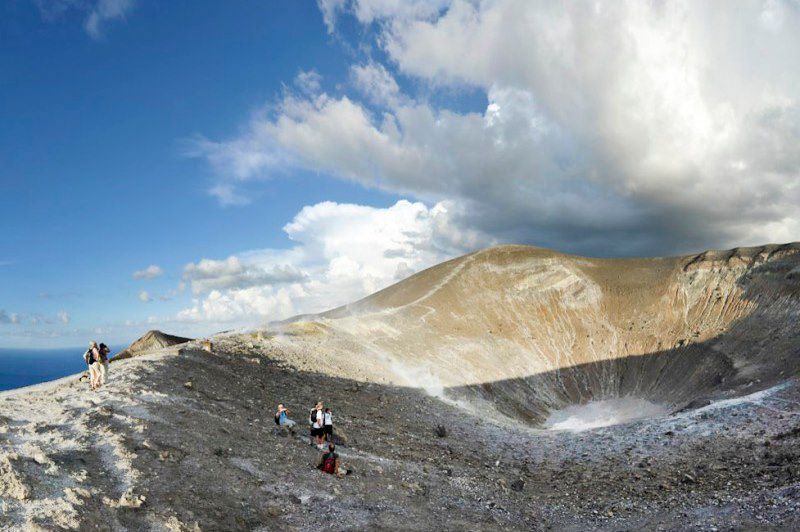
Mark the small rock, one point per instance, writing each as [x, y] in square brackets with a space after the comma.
[40, 458]
[518, 485]
[128, 500]
[441, 431]
[188, 385]
[76, 495]
[414, 487]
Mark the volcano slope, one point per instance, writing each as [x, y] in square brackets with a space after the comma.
[441, 388]
[531, 331]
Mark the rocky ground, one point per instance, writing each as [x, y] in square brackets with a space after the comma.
[186, 441]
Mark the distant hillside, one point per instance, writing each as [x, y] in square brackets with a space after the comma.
[150, 341]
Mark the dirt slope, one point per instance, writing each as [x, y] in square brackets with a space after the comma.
[187, 442]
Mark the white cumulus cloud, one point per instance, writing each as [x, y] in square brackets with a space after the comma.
[208, 275]
[342, 253]
[610, 127]
[151, 272]
[376, 83]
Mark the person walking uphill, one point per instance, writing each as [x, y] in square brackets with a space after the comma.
[103, 367]
[93, 359]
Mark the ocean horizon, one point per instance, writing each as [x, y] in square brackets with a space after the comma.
[26, 367]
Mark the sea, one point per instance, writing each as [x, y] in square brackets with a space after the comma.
[24, 367]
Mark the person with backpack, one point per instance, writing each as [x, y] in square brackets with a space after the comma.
[329, 462]
[103, 367]
[327, 425]
[316, 420]
[92, 358]
[282, 418]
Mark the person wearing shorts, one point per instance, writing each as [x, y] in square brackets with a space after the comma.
[317, 418]
[102, 366]
[92, 358]
[327, 425]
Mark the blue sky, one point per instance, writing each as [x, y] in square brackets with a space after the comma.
[275, 157]
[94, 184]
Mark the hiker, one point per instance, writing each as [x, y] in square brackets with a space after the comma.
[327, 425]
[329, 462]
[316, 420]
[92, 358]
[282, 417]
[103, 367]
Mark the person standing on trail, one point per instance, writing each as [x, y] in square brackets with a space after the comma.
[92, 358]
[103, 367]
[282, 417]
[327, 425]
[316, 419]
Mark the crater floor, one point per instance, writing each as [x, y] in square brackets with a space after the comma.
[603, 413]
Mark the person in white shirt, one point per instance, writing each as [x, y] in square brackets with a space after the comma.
[327, 425]
[316, 419]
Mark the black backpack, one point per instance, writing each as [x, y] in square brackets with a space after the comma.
[87, 356]
[313, 418]
[278, 418]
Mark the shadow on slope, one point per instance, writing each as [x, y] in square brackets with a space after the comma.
[752, 353]
[757, 351]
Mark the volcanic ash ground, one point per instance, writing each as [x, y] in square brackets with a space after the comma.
[512, 388]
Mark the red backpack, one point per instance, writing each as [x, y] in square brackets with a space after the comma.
[329, 463]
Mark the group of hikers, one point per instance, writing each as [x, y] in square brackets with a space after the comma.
[97, 359]
[320, 420]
